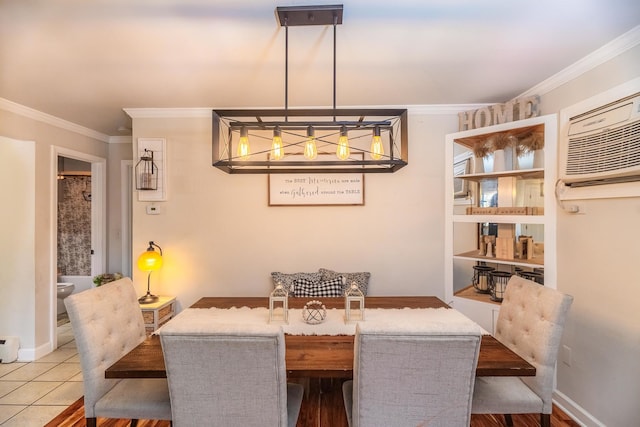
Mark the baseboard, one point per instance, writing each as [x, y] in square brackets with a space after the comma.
[575, 411]
[31, 354]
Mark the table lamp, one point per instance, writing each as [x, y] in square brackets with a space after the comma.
[150, 260]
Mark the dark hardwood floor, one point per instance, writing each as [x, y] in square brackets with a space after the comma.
[321, 407]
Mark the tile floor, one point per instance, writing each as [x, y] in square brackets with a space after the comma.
[33, 393]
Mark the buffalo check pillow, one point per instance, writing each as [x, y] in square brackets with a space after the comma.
[312, 288]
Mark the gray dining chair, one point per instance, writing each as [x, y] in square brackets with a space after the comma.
[233, 374]
[530, 323]
[411, 378]
[107, 323]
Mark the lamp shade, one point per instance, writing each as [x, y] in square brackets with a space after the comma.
[150, 260]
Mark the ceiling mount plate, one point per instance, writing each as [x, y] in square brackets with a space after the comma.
[292, 16]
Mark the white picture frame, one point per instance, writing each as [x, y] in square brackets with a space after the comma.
[316, 189]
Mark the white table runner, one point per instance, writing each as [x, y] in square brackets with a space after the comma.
[407, 319]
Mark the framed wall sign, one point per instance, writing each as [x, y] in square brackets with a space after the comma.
[321, 189]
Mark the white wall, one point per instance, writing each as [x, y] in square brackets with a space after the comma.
[598, 255]
[32, 308]
[17, 245]
[220, 237]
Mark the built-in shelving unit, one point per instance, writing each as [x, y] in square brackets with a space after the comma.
[517, 189]
[531, 173]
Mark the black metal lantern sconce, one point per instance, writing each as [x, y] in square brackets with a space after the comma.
[146, 172]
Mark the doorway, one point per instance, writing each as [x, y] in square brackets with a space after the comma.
[74, 217]
[78, 224]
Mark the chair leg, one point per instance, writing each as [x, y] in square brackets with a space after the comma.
[545, 420]
[508, 420]
[134, 423]
[91, 422]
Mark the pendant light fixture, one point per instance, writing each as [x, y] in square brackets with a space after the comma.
[343, 151]
[310, 148]
[277, 149]
[243, 145]
[377, 147]
[332, 140]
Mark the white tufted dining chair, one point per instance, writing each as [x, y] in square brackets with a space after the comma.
[530, 323]
[107, 323]
[411, 378]
[234, 374]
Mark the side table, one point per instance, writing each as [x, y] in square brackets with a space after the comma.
[158, 313]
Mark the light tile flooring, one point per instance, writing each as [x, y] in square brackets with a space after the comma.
[33, 393]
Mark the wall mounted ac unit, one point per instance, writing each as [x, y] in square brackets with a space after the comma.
[599, 145]
[602, 145]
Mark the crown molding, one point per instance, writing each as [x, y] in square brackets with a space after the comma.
[617, 46]
[22, 110]
[124, 139]
[444, 109]
[151, 113]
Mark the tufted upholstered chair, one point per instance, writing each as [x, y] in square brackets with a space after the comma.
[234, 375]
[530, 323]
[411, 378]
[107, 323]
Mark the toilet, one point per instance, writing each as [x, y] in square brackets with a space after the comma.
[65, 289]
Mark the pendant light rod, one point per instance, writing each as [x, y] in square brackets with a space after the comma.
[304, 16]
[286, 69]
[335, 21]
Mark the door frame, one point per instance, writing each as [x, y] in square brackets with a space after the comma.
[98, 223]
[126, 188]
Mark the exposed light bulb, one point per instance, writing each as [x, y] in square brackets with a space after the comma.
[377, 148]
[343, 145]
[310, 149]
[243, 144]
[277, 150]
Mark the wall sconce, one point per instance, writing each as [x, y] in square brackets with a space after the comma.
[150, 261]
[146, 172]
[353, 295]
[279, 297]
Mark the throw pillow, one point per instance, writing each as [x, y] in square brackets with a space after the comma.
[310, 288]
[361, 279]
[287, 278]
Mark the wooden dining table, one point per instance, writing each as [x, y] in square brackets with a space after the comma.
[320, 356]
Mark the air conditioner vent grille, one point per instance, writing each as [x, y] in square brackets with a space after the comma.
[611, 150]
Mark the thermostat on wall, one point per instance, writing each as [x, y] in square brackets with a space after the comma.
[153, 210]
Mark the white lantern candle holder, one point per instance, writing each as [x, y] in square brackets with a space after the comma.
[353, 296]
[279, 298]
